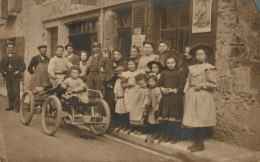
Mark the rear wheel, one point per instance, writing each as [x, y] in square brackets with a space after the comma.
[51, 115]
[100, 109]
[26, 107]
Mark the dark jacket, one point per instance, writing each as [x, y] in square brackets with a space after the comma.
[35, 61]
[99, 65]
[75, 59]
[16, 63]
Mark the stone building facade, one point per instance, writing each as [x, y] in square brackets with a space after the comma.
[234, 34]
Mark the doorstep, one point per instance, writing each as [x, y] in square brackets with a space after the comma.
[215, 150]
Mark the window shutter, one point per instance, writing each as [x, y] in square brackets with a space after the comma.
[2, 53]
[18, 5]
[139, 16]
[4, 8]
[20, 46]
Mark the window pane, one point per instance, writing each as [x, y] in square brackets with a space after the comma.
[170, 36]
[184, 16]
[169, 16]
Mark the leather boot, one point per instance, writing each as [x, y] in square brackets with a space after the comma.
[198, 146]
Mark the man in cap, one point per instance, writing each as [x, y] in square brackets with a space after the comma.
[73, 58]
[38, 68]
[12, 66]
[163, 45]
[95, 74]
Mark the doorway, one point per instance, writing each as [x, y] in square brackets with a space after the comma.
[125, 41]
[82, 42]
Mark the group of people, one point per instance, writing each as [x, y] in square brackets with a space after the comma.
[156, 94]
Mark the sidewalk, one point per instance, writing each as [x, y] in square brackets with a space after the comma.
[215, 150]
[2, 144]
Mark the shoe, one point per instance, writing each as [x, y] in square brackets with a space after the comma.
[161, 138]
[174, 140]
[9, 109]
[191, 146]
[198, 146]
[125, 128]
[17, 110]
[167, 139]
[129, 130]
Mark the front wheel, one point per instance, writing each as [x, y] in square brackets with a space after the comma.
[51, 115]
[26, 107]
[100, 109]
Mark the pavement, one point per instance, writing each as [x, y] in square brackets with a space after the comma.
[215, 150]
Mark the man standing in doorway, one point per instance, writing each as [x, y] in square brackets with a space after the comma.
[95, 77]
[73, 58]
[38, 68]
[12, 66]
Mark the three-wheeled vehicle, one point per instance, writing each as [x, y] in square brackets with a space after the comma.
[94, 113]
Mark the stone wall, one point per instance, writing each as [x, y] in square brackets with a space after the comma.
[238, 64]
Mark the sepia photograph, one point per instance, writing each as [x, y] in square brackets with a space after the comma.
[130, 81]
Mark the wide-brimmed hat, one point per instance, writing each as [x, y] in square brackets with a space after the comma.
[96, 44]
[149, 64]
[75, 67]
[42, 46]
[68, 45]
[119, 69]
[166, 54]
[148, 42]
[208, 49]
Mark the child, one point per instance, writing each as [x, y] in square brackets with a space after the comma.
[83, 65]
[170, 108]
[148, 56]
[74, 86]
[155, 68]
[135, 53]
[199, 108]
[131, 83]
[140, 104]
[119, 91]
[155, 95]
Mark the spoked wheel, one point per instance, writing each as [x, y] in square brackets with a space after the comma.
[51, 115]
[100, 110]
[27, 107]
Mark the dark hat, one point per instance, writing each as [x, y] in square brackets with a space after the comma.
[119, 69]
[68, 45]
[96, 44]
[75, 67]
[149, 65]
[148, 42]
[208, 49]
[41, 46]
[164, 41]
[140, 76]
[9, 42]
[166, 54]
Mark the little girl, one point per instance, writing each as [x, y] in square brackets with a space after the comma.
[119, 91]
[155, 95]
[141, 104]
[155, 68]
[83, 65]
[130, 85]
[199, 109]
[170, 108]
[135, 53]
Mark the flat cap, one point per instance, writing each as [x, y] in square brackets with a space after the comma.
[96, 44]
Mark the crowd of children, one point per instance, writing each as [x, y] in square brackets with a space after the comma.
[159, 95]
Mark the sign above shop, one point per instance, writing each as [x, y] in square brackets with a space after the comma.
[61, 8]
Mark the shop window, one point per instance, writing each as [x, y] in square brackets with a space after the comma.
[83, 27]
[10, 8]
[175, 23]
[54, 39]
